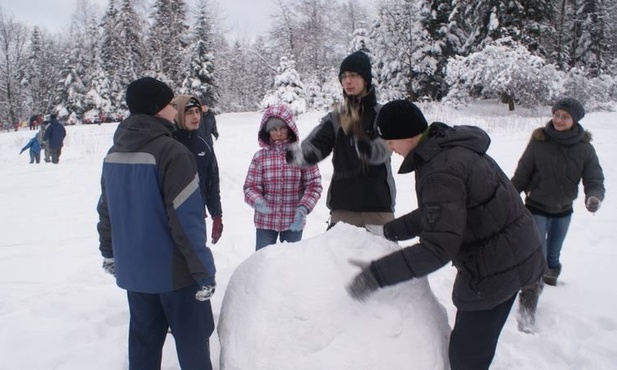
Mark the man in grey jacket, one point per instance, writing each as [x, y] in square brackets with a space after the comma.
[468, 213]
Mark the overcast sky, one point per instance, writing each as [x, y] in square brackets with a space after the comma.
[243, 17]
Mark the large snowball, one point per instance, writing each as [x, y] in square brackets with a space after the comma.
[286, 308]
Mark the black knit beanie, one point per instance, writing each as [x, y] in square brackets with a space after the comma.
[148, 95]
[357, 62]
[400, 119]
[572, 106]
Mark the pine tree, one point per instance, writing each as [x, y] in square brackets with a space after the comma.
[288, 88]
[201, 80]
[168, 40]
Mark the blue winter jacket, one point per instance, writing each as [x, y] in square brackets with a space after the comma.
[34, 146]
[151, 215]
[55, 134]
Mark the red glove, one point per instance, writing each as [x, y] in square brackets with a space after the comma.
[217, 228]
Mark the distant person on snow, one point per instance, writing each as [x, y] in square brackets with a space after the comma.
[35, 150]
[152, 232]
[54, 135]
[468, 213]
[187, 119]
[207, 126]
[282, 195]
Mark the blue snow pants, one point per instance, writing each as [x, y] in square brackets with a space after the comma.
[474, 337]
[191, 324]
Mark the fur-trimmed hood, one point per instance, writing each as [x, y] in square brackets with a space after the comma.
[578, 133]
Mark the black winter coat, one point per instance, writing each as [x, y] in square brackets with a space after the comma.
[353, 187]
[552, 167]
[468, 213]
[207, 168]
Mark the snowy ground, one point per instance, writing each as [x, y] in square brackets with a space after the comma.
[58, 310]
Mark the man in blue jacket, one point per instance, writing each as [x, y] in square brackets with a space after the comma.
[54, 135]
[152, 232]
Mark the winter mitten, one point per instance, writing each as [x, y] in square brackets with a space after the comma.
[593, 204]
[294, 156]
[205, 293]
[262, 207]
[363, 285]
[217, 228]
[375, 229]
[364, 148]
[299, 219]
[109, 265]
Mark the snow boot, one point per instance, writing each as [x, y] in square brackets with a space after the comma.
[527, 304]
[551, 276]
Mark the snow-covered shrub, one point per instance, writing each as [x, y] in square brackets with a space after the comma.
[504, 68]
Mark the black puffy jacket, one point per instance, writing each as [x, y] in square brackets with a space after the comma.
[469, 213]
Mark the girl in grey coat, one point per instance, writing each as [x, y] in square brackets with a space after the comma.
[557, 157]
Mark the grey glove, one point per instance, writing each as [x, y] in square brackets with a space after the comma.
[375, 229]
[262, 207]
[109, 265]
[593, 204]
[364, 284]
[299, 219]
[205, 293]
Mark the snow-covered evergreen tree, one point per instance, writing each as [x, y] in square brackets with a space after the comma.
[200, 80]
[288, 88]
[168, 41]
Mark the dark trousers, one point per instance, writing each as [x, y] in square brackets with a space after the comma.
[191, 324]
[35, 157]
[474, 337]
[265, 237]
[55, 154]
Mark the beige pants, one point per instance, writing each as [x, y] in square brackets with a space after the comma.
[360, 219]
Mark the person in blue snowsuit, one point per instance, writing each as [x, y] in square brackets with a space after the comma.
[35, 150]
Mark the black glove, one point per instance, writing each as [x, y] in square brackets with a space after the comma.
[363, 285]
[593, 204]
[109, 265]
[205, 293]
[364, 148]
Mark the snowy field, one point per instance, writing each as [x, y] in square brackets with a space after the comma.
[59, 310]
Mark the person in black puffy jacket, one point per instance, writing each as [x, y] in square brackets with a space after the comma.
[468, 213]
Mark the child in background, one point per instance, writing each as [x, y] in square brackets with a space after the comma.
[281, 194]
[35, 150]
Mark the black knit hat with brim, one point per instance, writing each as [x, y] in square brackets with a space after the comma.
[572, 106]
[359, 63]
[148, 95]
[400, 119]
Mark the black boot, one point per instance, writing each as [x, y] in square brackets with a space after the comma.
[551, 276]
[527, 304]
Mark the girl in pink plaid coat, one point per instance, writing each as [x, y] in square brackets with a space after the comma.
[282, 195]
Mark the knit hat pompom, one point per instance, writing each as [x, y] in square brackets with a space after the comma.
[148, 95]
[400, 119]
[572, 106]
[359, 63]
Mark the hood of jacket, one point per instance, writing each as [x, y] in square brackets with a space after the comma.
[138, 130]
[441, 136]
[281, 112]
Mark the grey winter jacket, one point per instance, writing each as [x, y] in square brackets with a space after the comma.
[552, 167]
[468, 213]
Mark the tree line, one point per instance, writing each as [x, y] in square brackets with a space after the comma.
[523, 51]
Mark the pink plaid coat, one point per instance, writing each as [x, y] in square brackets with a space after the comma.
[283, 187]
